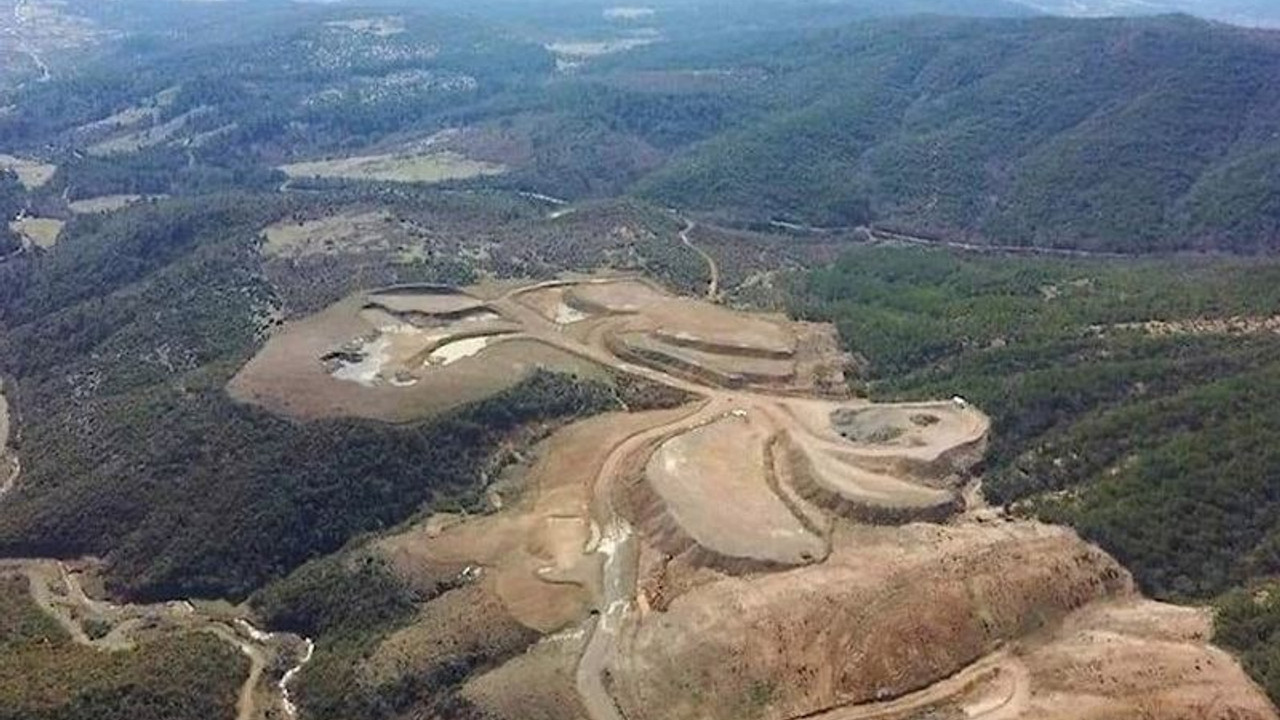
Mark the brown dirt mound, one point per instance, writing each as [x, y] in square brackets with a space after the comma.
[888, 613]
[290, 376]
[862, 495]
[1135, 658]
[689, 477]
[724, 370]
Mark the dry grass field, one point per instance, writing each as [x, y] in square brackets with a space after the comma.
[346, 232]
[104, 203]
[41, 232]
[422, 167]
[32, 174]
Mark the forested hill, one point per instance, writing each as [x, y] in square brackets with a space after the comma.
[1150, 134]
[1119, 134]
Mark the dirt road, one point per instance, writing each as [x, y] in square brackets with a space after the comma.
[893, 236]
[713, 286]
[999, 687]
[59, 592]
[618, 545]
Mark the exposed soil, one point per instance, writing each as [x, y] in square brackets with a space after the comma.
[722, 501]
[38, 231]
[105, 203]
[771, 552]
[774, 549]
[348, 232]
[375, 356]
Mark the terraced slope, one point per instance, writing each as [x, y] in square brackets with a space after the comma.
[775, 551]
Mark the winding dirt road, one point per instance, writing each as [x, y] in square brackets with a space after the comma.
[617, 544]
[58, 591]
[713, 286]
[998, 685]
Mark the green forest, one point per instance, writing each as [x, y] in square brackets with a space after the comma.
[1134, 135]
[1091, 410]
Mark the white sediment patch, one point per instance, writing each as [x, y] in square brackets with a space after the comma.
[615, 534]
[374, 355]
[286, 698]
[567, 315]
[455, 351]
[479, 316]
[252, 631]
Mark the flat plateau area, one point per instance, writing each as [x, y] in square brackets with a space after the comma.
[428, 167]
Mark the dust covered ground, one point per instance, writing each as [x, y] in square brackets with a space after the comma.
[774, 548]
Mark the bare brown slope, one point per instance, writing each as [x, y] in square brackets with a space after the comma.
[887, 614]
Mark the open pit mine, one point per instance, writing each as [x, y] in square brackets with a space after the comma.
[774, 548]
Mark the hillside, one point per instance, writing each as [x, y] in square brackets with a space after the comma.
[1127, 135]
[1134, 135]
[1120, 395]
[564, 360]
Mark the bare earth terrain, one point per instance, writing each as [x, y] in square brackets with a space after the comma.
[774, 549]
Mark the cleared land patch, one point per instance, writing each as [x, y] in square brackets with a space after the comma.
[770, 550]
[398, 355]
[334, 234]
[628, 13]
[423, 167]
[375, 26]
[104, 203]
[146, 137]
[31, 173]
[41, 232]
